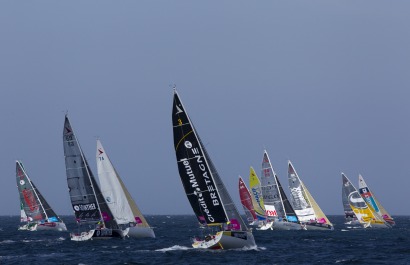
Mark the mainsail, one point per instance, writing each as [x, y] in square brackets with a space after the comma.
[256, 195]
[119, 200]
[373, 203]
[300, 201]
[203, 186]
[246, 201]
[33, 203]
[350, 215]
[86, 198]
[305, 206]
[275, 199]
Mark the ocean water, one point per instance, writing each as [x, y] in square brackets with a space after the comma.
[173, 245]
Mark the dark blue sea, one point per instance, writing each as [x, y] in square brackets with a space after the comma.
[173, 245]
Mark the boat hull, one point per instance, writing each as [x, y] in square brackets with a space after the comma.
[265, 226]
[140, 232]
[48, 226]
[227, 240]
[52, 226]
[317, 226]
[280, 225]
[97, 234]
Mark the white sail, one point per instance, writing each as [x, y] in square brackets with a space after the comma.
[119, 200]
[111, 188]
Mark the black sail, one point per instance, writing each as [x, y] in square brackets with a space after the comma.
[46, 207]
[86, 198]
[203, 186]
[290, 213]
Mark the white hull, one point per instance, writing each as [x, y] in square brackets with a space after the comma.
[265, 226]
[139, 232]
[97, 234]
[52, 226]
[355, 222]
[227, 240]
[280, 225]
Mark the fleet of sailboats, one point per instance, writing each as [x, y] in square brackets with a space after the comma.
[107, 210]
[204, 188]
[36, 213]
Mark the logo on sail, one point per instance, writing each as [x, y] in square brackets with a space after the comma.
[188, 144]
[85, 207]
[179, 110]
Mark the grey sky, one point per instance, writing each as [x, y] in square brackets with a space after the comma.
[323, 83]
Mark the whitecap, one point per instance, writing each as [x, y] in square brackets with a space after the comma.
[176, 247]
[7, 241]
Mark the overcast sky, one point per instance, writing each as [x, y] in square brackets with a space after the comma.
[322, 83]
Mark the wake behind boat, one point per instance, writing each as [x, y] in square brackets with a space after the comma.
[36, 213]
[204, 188]
[90, 209]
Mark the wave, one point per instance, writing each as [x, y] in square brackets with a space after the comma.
[7, 241]
[173, 248]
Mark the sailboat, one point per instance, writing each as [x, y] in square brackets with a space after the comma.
[350, 216]
[373, 203]
[119, 200]
[306, 208]
[246, 202]
[89, 205]
[360, 210]
[204, 188]
[36, 213]
[257, 201]
[277, 205]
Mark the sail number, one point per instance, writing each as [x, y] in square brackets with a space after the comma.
[69, 139]
[179, 122]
